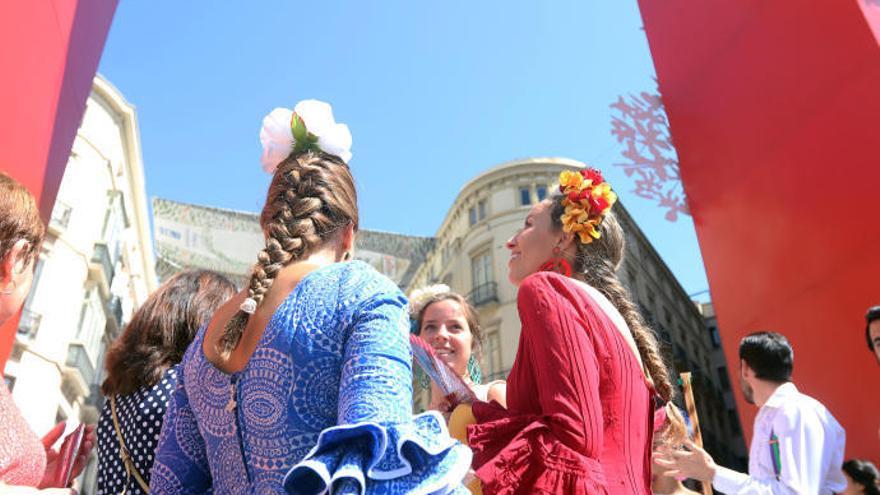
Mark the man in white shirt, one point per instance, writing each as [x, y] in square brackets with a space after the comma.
[797, 446]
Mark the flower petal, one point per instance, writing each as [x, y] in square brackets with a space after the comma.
[276, 138]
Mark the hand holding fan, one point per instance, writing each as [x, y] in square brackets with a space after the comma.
[453, 386]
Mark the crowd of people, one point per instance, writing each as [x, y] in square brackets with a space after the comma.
[302, 382]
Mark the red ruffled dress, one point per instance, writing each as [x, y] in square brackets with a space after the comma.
[579, 417]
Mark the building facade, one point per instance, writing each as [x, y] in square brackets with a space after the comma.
[95, 268]
[470, 256]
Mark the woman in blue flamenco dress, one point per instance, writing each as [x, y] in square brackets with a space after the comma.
[302, 383]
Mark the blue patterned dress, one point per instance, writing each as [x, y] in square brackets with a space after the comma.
[323, 404]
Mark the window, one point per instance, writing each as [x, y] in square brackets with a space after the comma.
[723, 378]
[481, 269]
[525, 196]
[114, 225]
[483, 288]
[472, 215]
[542, 192]
[734, 422]
[482, 209]
[92, 321]
[492, 355]
[715, 336]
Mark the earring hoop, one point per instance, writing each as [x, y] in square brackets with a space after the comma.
[557, 264]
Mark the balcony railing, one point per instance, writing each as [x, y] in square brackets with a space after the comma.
[60, 217]
[484, 293]
[101, 257]
[29, 323]
[79, 359]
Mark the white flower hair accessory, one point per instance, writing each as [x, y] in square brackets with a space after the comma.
[419, 297]
[310, 125]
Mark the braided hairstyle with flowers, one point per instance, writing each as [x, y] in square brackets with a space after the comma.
[584, 208]
[311, 198]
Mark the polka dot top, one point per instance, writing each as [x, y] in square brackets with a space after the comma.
[140, 420]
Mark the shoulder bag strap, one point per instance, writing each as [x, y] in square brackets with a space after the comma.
[130, 468]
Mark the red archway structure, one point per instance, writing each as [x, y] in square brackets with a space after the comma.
[49, 51]
[773, 108]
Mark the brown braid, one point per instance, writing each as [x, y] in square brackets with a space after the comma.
[312, 196]
[596, 263]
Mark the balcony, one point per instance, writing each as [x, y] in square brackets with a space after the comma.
[101, 265]
[60, 217]
[29, 324]
[78, 360]
[483, 294]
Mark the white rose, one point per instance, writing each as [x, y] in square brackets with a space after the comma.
[333, 138]
[277, 138]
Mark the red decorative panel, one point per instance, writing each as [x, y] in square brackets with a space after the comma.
[49, 51]
[773, 108]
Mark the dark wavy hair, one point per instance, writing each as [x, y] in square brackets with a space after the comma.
[769, 354]
[865, 474]
[162, 328]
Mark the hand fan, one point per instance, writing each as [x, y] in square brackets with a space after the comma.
[453, 386]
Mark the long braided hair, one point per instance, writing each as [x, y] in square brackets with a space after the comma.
[311, 198]
[596, 263]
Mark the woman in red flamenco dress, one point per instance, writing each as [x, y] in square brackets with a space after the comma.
[580, 405]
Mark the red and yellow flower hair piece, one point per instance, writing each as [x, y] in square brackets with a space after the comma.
[587, 198]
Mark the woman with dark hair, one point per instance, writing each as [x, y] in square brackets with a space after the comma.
[27, 463]
[142, 371]
[581, 392]
[303, 382]
[862, 478]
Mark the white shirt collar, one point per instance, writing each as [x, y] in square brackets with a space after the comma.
[783, 393]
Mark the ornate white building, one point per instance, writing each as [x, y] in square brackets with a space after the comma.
[96, 266]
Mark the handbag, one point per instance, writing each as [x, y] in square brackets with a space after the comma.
[130, 468]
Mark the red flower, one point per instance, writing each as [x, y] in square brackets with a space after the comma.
[573, 196]
[593, 174]
[584, 194]
[598, 204]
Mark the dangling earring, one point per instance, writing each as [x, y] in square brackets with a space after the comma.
[557, 264]
[346, 256]
[474, 370]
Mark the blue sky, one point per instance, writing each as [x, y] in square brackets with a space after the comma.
[434, 93]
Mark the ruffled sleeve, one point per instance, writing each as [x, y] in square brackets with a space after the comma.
[377, 445]
[556, 450]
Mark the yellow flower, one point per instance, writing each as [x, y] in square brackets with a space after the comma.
[569, 179]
